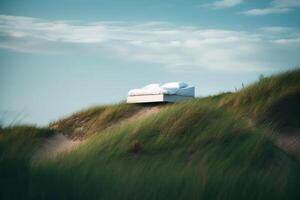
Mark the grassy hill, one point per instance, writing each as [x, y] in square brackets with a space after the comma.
[218, 147]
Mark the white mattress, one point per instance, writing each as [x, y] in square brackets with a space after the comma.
[155, 89]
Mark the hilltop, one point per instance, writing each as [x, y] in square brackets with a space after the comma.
[242, 145]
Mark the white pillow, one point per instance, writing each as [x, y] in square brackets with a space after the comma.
[177, 85]
[151, 86]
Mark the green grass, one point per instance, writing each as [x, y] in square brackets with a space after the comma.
[273, 100]
[17, 144]
[206, 153]
[217, 147]
[89, 121]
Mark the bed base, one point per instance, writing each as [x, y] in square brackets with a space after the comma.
[157, 98]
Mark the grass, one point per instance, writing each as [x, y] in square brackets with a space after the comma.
[90, 121]
[272, 100]
[206, 153]
[200, 149]
[17, 145]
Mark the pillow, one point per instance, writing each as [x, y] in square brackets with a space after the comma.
[177, 85]
[151, 86]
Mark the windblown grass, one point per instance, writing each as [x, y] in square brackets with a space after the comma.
[205, 153]
[273, 100]
[92, 120]
[17, 144]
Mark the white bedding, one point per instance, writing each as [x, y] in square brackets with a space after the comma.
[173, 88]
[188, 91]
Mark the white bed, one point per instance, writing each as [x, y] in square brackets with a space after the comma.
[169, 92]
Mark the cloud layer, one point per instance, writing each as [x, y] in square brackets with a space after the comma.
[176, 48]
[223, 4]
[276, 7]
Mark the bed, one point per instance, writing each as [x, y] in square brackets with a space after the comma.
[168, 92]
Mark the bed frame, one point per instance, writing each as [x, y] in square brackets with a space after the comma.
[157, 98]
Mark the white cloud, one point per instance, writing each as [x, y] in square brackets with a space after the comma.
[276, 7]
[174, 47]
[265, 11]
[223, 4]
[276, 29]
[51, 30]
[286, 3]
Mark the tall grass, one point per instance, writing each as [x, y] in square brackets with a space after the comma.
[206, 153]
[89, 121]
[273, 100]
[17, 144]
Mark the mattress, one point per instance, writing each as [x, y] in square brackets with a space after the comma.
[156, 90]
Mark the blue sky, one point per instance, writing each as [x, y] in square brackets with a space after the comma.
[60, 56]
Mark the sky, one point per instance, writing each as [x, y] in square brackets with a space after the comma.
[60, 56]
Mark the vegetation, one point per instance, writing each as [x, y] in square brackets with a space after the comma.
[95, 119]
[17, 144]
[219, 147]
[272, 100]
